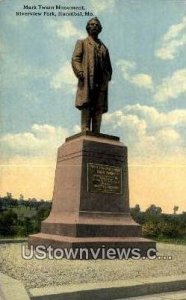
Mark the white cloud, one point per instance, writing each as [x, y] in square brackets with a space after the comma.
[174, 30]
[66, 29]
[99, 6]
[76, 128]
[168, 136]
[64, 78]
[172, 41]
[169, 49]
[144, 129]
[126, 67]
[148, 132]
[171, 87]
[41, 140]
[157, 119]
[141, 80]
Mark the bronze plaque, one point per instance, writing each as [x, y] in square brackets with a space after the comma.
[104, 178]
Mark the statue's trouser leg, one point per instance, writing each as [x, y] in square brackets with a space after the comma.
[85, 119]
[96, 111]
[96, 122]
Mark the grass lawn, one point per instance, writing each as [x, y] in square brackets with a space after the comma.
[177, 241]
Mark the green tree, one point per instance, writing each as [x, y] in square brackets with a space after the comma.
[137, 208]
[150, 229]
[154, 210]
[8, 221]
[175, 209]
[169, 229]
[21, 197]
[9, 196]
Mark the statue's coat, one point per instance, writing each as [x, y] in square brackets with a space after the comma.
[83, 61]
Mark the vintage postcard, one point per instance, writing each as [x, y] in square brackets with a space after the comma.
[93, 116]
[146, 110]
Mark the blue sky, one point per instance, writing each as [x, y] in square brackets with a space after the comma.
[146, 41]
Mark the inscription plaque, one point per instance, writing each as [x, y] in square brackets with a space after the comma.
[104, 178]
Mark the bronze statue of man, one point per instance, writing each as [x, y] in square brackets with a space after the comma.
[92, 66]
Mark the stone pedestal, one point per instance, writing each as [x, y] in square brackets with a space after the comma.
[90, 206]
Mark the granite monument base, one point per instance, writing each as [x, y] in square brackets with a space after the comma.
[90, 206]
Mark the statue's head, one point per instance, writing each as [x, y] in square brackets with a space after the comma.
[94, 26]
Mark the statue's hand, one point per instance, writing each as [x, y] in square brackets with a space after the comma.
[81, 75]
